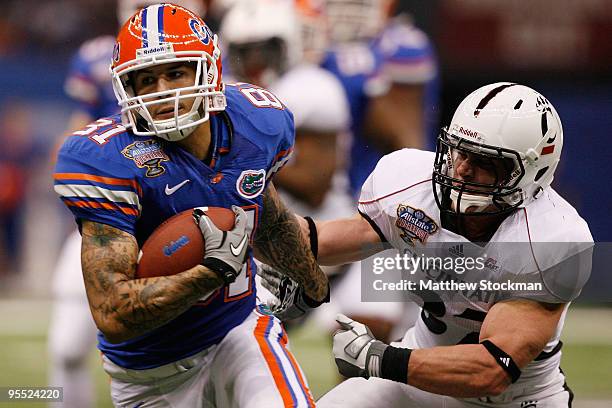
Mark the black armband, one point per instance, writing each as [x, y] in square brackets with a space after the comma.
[313, 235]
[394, 364]
[503, 359]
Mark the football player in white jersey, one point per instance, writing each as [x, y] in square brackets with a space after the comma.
[490, 185]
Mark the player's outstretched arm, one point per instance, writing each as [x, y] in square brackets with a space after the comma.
[280, 243]
[517, 330]
[345, 240]
[124, 307]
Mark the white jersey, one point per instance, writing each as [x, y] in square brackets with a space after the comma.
[398, 197]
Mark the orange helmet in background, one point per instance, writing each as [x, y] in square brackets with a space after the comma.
[162, 34]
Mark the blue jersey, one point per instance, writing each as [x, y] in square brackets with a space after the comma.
[399, 54]
[106, 174]
[89, 79]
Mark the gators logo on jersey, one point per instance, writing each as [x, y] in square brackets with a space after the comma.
[251, 183]
[414, 224]
[149, 154]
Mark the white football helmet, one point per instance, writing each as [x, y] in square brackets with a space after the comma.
[502, 121]
[127, 8]
[262, 39]
[355, 20]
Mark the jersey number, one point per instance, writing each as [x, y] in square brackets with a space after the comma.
[262, 98]
[432, 310]
[92, 131]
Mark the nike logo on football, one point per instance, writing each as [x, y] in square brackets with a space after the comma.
[236, 250]
[170, 191]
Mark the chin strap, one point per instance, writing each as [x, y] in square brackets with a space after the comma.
[177, 135]
[469, 200]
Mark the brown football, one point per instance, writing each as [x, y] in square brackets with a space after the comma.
[177, 244]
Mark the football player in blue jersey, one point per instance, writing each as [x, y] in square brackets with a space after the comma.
[185, 140]
[72, 332]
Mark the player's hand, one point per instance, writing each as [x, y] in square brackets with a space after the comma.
[356, 351]
[292, 300]
[225, 251]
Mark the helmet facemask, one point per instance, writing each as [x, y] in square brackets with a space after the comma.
[456, 195]
[136, 108]
[355, 20]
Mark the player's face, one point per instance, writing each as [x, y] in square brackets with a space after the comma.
[475, 168]
[165, 77]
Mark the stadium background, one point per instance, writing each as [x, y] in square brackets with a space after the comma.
[559, 47]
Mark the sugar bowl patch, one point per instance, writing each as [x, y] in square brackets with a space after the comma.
[414, 224]
[149, 154]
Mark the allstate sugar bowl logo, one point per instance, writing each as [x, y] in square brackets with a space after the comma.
[414, 224]
[149, 154]
[251, 183]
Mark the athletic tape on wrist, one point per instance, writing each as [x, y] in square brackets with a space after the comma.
[313, 235]
[503, 359]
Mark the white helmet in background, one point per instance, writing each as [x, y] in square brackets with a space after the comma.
[127, 8]
[355, 20]
[502, 121]
[262, 39]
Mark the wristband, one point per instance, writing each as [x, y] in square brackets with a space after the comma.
[223, 270]
[504, 360]
[394, 364]
[313, 235]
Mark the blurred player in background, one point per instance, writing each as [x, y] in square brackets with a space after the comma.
[273, 44]
[195, 338]
[18, 159]
[388, 70]
[279, 44]
[72, 332]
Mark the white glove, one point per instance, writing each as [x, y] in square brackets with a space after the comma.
[356, 351]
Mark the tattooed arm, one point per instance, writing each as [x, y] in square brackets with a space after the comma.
[124, 307]
[279, 242]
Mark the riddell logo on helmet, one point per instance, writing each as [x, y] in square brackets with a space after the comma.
[470, 133]
[167, 47]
